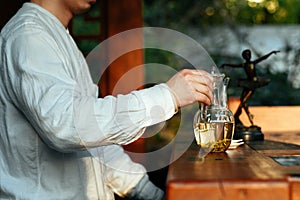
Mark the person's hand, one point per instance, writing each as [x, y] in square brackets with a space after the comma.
[189, 86]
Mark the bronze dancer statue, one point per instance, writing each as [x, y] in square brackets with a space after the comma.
[250, 84]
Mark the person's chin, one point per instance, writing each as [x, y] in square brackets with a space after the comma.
[84, 9]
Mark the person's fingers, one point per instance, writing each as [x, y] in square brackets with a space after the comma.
[189, 86]
[204, 73]
[193, 78]
[203, 76]
[203, 80]
[203, 91]
[202, 97]
[203, 86]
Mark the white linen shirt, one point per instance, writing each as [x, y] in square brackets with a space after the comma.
[51, 117]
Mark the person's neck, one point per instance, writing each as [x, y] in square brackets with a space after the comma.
[57, 9]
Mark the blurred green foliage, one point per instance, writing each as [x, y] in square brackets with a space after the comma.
[182, 14]
[201, 14]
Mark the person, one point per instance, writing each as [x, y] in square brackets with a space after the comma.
[51, 117]
[250, 84]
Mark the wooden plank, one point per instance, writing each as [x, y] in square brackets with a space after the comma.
[290, 137]
[275, 148]
[277, 152]
[229, 191]
[243, 163]
[295, 188]
[242, 173]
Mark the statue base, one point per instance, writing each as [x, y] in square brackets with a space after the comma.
[252, 133]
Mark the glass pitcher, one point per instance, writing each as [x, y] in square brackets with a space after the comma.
[214, 124]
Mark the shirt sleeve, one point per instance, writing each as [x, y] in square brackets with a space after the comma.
[45, 87]
[121, 173]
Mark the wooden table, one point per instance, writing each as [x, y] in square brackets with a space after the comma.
[248, 172]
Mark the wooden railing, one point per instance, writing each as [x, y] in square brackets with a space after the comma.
[272, 119]
[279, 123]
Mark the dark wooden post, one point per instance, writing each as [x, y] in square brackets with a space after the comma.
[121, 16]
[124, 15]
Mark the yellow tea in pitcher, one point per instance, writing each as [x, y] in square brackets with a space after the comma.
[214, 136]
